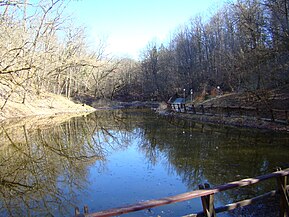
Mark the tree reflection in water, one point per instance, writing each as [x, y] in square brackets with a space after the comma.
[201, 153]
[44, 167]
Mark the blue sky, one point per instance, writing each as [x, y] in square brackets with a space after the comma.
[127, 26]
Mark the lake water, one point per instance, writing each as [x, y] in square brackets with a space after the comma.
[114, 158]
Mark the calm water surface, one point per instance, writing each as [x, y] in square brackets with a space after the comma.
[114, 158]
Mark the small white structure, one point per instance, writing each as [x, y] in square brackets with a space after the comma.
[178, 105]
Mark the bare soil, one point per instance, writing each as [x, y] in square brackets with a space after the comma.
[44, 104]
[263, 99]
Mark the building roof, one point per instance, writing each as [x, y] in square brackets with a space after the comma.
[179, 101]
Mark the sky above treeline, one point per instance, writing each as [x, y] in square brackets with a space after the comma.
[127, 26]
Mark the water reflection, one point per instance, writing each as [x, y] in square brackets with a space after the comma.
[218, 154]
[201, 153]
[45, 169]
[42, 166]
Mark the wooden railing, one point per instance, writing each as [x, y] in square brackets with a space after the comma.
[207, 196]
[276, 115]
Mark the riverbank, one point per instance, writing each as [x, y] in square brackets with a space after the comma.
[110, 104]
[264, 100]
[246, 122]
[42, 105]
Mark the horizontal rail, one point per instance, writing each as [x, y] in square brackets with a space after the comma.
[230, 107]
[186, 196]
[238, 204]
[275, 115]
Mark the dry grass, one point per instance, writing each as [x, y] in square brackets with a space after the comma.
[267, 99]
[45, 104]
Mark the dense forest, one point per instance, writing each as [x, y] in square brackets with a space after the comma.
[242, 47]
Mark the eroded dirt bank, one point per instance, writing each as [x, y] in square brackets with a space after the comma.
[45, 104]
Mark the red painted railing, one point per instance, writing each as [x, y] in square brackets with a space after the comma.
[207, 196]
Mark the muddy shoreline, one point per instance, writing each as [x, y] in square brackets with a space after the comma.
[242, 122]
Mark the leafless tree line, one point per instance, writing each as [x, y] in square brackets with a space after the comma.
[40, 50]
[243, 46]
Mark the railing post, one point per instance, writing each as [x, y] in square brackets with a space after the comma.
[228, 111]
[284, 196]
[208, 202]
[194, 109]
[203, 109]
[272, 115]
[240, 111]
[257, 113]
[212, 109]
